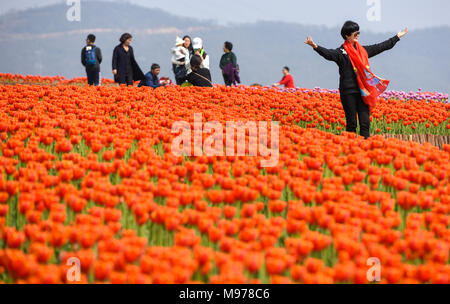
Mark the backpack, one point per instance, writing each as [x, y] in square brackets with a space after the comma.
[91, 56]
[203, 54]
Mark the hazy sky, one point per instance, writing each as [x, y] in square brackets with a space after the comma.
[394, 13]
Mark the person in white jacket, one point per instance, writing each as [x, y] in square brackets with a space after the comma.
[180, 60]
[198, 49]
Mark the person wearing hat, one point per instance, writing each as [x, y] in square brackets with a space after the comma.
[200, 51]
[180, 60]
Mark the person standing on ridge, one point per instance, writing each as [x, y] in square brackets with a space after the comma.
[180, 60]
[287, 81]
[229, 66]
[359, 88]
[200, 51]
[188, 45]
[124, 65]
[91, 58]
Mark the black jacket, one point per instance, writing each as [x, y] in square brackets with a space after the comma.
[96, 67]
[197, 78]
[347, 82]
[120, 61]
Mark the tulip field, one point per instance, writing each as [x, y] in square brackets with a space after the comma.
[87, 173]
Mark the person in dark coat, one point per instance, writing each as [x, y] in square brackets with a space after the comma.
[91, 58]
[198, 77]
[228, 65]
[124, 65]
[350, 91]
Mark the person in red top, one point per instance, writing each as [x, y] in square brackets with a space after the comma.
[287, 81]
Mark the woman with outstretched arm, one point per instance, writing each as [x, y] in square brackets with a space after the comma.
[359, 88]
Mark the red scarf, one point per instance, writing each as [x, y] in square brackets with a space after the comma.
[371, 86]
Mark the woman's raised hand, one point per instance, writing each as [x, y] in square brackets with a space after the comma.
[402, 33]
[309, 41]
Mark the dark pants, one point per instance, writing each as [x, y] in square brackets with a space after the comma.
[354, 105]
[227, 80]
[93, 77]
[180, 74]
[129, 79]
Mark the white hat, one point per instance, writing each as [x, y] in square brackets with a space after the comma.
[179, 41]
[197, 43]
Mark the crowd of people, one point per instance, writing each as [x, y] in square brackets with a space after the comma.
[359, 88]
[190, 64]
